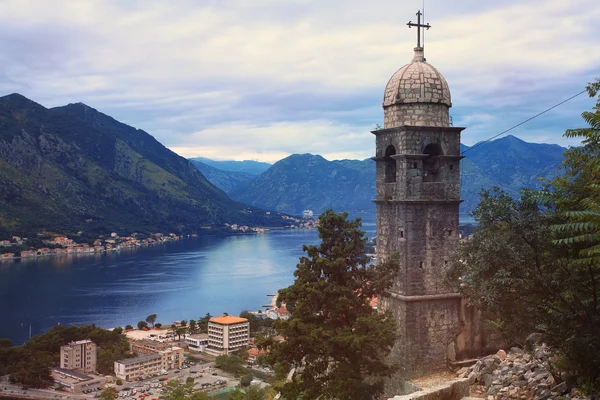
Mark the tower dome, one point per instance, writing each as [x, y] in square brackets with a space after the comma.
[417, 94]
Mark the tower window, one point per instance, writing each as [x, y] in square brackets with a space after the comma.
[421, 265]
[390, 164]
[451, 167]
[401, 234]
[432, 164]
[449, 232]
[414, 165]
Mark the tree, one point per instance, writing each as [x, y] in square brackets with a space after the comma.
[183, 322]
[203, 323]
[230, 363]
[182, 330]
[535, 262]
[175, 391]
[142, 325]
[334, 336]
[151, 319]
[248, 393]
[193, 326]
[246, 379]
[128, 327]
[109, 394]
[189, 380]
[158, 325]
[507, 265]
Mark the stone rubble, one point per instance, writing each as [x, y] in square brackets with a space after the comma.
[518, 375]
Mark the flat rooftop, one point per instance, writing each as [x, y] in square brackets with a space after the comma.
[200, 336]
[148, 357]
[71, 373]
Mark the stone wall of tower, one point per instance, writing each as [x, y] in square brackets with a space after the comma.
[423, 237]
[415, 114]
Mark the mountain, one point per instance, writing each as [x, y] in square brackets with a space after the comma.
[73, 168]
[227, 181]
[253, 168]
[306, 181]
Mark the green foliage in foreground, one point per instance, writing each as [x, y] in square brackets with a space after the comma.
[335, 338]
[178, 391]
[535, 262]
[249, 393]
[230, 363]
[29, 364]
[109, 394]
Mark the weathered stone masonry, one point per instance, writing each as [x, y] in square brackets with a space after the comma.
[418, 198]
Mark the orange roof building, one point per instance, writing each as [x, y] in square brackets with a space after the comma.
[228, 320]
[227, 334]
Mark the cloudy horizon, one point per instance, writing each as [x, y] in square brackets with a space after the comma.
[265, 79]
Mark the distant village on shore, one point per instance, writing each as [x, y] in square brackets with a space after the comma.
[59, 245]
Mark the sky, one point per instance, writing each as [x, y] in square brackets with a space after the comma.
[263, 79]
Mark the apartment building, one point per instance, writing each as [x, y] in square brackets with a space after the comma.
[227, 334]
[197, 342]
[80, 355]
[149, 364]
[138, 367]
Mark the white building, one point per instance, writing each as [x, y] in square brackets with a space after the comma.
[80, 355]
[197, 342]
[142, 366]
[227, 334]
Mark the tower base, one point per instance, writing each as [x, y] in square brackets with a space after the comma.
[434, 331]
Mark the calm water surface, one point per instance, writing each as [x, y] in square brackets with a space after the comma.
[177, 280]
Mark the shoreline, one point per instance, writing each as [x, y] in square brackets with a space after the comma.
[95, 250]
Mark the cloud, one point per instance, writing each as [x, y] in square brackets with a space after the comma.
[262, 79]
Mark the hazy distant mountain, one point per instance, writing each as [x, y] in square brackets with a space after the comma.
[73, 168]
[306, 181]
[227, 181]
[247, 166]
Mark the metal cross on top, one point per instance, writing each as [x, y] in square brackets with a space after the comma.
[419, 26]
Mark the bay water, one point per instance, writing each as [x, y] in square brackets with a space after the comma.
[177, 280]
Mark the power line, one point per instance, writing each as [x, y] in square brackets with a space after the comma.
[527, 120]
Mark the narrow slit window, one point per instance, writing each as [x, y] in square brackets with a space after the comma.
[401, 234]
[421, 265]
[449, 232]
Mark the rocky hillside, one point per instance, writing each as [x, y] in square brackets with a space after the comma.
[518, 375]
[306, 181]
[73, 168]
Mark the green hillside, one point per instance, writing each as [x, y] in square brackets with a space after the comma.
[73, 168]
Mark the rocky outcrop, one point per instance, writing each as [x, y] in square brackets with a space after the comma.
[517, 374]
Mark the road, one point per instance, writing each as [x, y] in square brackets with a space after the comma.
[17, 392]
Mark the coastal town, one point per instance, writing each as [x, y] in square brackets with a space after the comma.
[163, 357]
[54, 244]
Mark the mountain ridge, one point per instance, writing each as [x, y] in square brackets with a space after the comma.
[300, 181]
[74, 168]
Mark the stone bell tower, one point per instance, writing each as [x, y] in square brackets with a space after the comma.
[418, 196]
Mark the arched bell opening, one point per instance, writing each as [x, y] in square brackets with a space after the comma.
[432, 164]
[390, 164]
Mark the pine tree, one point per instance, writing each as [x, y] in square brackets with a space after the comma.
[335, 340]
